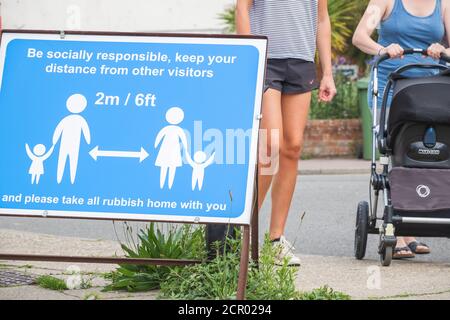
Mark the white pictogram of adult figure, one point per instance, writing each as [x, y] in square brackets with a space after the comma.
[169, 155]
[69, 131]
[37, 157]
[199, 164]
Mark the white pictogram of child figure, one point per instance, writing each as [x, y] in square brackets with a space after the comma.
[199, 164]
[37, 156]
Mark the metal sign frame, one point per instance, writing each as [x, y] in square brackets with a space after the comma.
[249, 230]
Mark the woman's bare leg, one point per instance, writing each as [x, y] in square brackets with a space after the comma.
[295, 109]
[269, 144]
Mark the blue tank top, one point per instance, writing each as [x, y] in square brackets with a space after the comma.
[409, 31]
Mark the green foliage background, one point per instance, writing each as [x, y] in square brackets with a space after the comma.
[344, 105]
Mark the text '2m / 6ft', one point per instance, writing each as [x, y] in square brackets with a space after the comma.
[138, 100]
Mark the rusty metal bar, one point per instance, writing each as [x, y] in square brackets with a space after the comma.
[103, 260]
[243, 269]
[137, 34]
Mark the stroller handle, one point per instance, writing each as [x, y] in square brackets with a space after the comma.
[409, 51]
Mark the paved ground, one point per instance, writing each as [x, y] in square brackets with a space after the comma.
[360, 279]
[334, 166]
[328, 226]
[324, 240]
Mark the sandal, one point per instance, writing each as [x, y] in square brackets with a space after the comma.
[403, 253]
[413, 246]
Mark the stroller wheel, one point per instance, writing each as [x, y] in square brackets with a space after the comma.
[361, 230]
[386, 256]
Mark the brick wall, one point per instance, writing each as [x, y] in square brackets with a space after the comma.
[332, 138]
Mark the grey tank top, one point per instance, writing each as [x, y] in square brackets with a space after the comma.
[290, 25]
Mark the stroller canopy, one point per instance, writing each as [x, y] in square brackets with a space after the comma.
[421, 100]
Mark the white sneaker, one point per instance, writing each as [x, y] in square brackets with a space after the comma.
[285, 250]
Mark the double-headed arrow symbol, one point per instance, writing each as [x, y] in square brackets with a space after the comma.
[141, 155]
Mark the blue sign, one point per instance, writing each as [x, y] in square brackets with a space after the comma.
[134, 128]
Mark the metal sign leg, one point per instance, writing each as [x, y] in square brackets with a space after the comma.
[255, 220]
[255, 235]
[243, 269]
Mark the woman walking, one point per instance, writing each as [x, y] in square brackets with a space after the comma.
[404, 24]
[296, 29]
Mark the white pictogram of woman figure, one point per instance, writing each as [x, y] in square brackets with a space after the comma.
[170, 156]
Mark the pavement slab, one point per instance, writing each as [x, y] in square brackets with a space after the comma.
[334, 166]
[366, 279]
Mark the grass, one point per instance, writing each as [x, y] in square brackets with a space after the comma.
[8, 266]
[323, 293]
[269, 281]
[215, 279]
[51, 283]
[92, 296]
[86, 283]
[185, 242]
[307, 156]
[218, 279]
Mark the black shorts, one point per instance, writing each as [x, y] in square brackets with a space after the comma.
[291, 76]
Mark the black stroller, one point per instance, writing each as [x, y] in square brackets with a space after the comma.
[413, 139]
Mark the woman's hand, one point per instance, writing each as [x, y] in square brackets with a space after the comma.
[327, 89]
[394, 50]
[436, 50]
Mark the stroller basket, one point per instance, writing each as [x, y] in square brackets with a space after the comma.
[420, 190]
